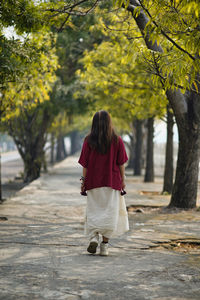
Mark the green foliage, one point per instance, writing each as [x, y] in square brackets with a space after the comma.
[71, 44]
[24, 15]
[26, 112]
[14, 57]
[121, 2]
[36, 83]
[175, 25]
[118, 81]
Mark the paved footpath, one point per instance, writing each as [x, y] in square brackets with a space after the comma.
[43, 249]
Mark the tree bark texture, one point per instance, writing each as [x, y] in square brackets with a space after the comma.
[186, 108]
[169, 165]
[138, 147]
[32, 167]
[149, 171]
[186, 182]
[184, 193]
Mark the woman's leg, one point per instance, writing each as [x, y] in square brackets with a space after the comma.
[104, 246]
[94, 240]
[105, 239]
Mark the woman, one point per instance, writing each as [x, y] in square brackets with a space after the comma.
[103, 156]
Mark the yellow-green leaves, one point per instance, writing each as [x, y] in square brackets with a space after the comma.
[121, 2]
[24, 15]
[34, 86]
[175, 25]
[115, 76]
[192, 7]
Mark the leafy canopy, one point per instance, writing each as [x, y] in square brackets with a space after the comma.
[36, 83]
[175, 25]
[118, 81]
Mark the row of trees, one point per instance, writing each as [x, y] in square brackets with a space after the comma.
[139, 60]
[166, 39]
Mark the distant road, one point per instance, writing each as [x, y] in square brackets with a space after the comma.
[11, 165]
[8, 156]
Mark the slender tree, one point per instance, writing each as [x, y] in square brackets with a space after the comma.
[26, 116]
[169, 157]
[138, 147]
[149, 170]
[29, 133]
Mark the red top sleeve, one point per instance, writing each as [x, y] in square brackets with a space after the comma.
[84, 157]
[121, 153]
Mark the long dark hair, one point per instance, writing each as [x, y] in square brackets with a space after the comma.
[102, 133]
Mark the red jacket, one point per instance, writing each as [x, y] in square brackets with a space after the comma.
[103, 169]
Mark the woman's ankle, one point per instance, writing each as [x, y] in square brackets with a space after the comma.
[105, 240]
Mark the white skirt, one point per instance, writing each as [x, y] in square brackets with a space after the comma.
[105, 213]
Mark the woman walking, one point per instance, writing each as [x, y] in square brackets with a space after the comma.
[102, 157]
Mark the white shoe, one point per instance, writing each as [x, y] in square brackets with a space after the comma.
[104, 249]
[93, 244]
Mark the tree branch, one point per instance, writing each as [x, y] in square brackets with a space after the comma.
[176, 98]
[63, 24]
[165, 34]
[70, 9]
[66, 7]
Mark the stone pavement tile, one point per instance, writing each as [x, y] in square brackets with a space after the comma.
[43, 249]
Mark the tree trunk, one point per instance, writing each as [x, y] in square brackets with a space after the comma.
[44, 163]
[74, 141]
[184, 193]
[149, 172]
[59, 148]
[169, 169]
[0, 181]
[32, 155]
[64, 148]
[138, 147]
[32, 168]
[61, 152]
[28, 131]
[131, 152]
[52, 148]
